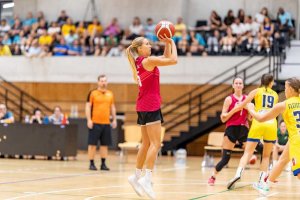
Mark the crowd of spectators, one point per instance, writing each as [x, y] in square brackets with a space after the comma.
[34, 36]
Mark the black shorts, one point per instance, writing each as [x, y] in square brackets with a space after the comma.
[100, 132]
[145, 118]
[237, 133]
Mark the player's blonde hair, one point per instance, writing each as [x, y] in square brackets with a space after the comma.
[132, 53]
[294, 83]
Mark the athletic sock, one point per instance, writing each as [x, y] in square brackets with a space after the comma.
[148, 174]
[239, 172]
[138, 173]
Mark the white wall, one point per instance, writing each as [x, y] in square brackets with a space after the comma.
[56, 69]
[125, 10]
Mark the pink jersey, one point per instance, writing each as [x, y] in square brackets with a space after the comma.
[149, 92]
[239, 118]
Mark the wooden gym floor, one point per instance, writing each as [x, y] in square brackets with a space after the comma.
[41, 179]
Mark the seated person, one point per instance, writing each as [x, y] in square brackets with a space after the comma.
[58, 117]
[282, 139]
[6, 116]
[37, 117]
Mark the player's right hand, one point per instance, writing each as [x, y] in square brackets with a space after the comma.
[90, 124]
[165, 40]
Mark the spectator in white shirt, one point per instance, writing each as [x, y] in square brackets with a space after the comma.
[135, 29]
[251, 26]
[261, 16]
[4, 27]
[237, 27]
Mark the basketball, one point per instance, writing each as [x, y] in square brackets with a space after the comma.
[164, 29]
[252, 160]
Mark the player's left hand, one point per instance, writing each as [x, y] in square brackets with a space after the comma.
[114, 124]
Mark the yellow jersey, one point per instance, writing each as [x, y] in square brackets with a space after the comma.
[265, 99]
[291, 116]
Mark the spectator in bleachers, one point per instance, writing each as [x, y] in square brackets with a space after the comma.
[6, 40]
[71, 37]
[180, 28]
[227, 43]
[149, 30]
[57, 118]
[62, 19]
[34, 50]
[259, 17]
[183, 44]
[45, 38]
[136, 29]
[116, 51]
[282, 139]
[41, 26]
[75, 49]
[60, 49]
[29, 20]
[6, 116]
[67, 27]
[4, 50]
[260, 43]
[285, 21]
[229, 19]
[113, 28]
[81, 29]
[36, 118]
[241, 15]
[267, 28]
[4, 27]
[16, 28]
[215, 21]
[54, 28]
[237, 27]
[251, 26]
[95, 27]
[213, 42]
[40, 15]
[198, 44]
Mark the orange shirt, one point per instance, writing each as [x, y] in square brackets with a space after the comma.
[101, 103]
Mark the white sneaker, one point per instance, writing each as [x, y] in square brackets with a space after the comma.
[147, 187]
[133, 181]
[262, 187]
[232, 182]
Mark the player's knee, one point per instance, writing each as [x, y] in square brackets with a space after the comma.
[224, 161]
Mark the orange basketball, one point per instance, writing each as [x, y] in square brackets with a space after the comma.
[164, 29]
[252, 160]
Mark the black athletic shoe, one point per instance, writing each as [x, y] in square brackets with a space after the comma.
[104, 167]
[93, 167]
[232, 182]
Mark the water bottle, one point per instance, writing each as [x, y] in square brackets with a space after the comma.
[180, 156]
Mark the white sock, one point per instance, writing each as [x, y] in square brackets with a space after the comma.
[262, 176]
[138, 173]
[148, 174]
[214, 174]
[239, 172]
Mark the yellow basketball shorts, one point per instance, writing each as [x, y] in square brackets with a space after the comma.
[295, 153]
[263, 130]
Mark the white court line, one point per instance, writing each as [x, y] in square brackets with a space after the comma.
[266, 197]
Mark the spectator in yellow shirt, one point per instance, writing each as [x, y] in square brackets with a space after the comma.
[45, 38]
[95, 27]
[66, 28]
[179, 28]
[4, 50]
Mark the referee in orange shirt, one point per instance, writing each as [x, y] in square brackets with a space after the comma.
[100, 105]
